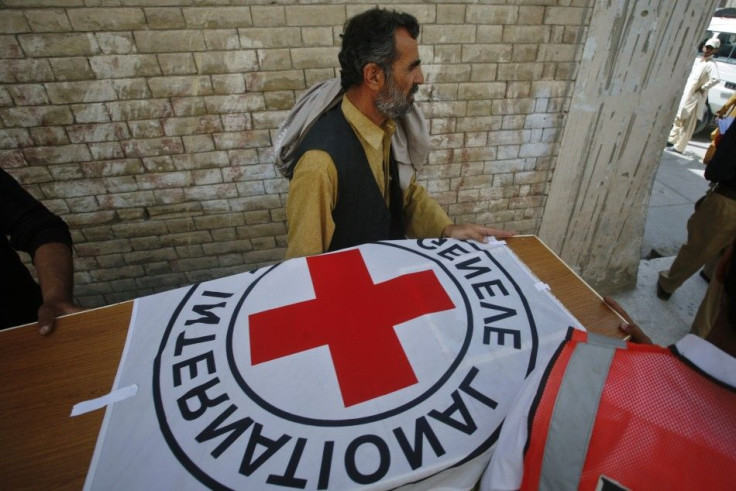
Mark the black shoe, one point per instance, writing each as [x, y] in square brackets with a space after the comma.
[661, 293]
[704, 276]
[653, 254]
[672, 149]
[670, 144]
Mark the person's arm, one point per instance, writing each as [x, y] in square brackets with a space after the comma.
[629, 327]
[465, 231]
[712, 79]
[425, 218]
[55, 271]
[708, 78]
[32, 228]
[312, 197]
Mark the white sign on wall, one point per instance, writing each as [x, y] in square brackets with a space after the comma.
[375, 366]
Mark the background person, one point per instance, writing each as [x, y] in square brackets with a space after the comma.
[345, 187]
[703, 76]
[712, 227]
[33, 229]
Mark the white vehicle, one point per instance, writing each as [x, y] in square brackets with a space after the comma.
[725, 29]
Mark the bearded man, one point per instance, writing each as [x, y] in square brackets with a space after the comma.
[345, 189]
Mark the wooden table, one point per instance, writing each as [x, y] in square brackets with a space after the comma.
[41, 447]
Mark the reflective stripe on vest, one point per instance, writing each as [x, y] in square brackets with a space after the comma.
[575, 411]
[639, 418]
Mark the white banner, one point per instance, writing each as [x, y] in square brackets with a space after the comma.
[375, 366]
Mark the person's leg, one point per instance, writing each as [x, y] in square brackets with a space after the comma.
[675, 132]
[708, 310]
[686, 132]
[709, 230]
[710, 267]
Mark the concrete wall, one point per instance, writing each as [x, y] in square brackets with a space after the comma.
[148, 124]
[636, 59]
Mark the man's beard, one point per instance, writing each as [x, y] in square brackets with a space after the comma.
[391, 102]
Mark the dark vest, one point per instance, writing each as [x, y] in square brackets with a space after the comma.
[360, 213]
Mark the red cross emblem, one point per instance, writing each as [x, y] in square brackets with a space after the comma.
[355, 319]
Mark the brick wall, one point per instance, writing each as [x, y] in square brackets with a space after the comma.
[147, 124]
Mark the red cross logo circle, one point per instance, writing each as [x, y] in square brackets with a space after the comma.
[382, 363]
[352, 338]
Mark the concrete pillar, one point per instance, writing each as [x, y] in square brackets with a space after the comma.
[635, 62]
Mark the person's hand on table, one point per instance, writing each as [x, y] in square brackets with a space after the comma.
[49, 311]
[629, 327]
[465, 231]
[55, 271]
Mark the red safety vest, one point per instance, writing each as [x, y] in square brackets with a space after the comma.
[637, 416]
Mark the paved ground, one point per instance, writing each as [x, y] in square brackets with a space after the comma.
[678, 184]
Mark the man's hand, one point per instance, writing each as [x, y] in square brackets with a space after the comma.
[55, 272]
[49, 311]
[629, 327]
[465, 231]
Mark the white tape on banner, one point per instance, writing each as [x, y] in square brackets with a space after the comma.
[540, 285]
[492, 242]
[106, 400]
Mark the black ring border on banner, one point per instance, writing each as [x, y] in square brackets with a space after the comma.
[209, 481]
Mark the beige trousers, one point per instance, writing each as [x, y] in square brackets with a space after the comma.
[708, 310]
[709, 230]
[681, 132]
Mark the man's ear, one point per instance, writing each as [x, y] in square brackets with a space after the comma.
[373, 76]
